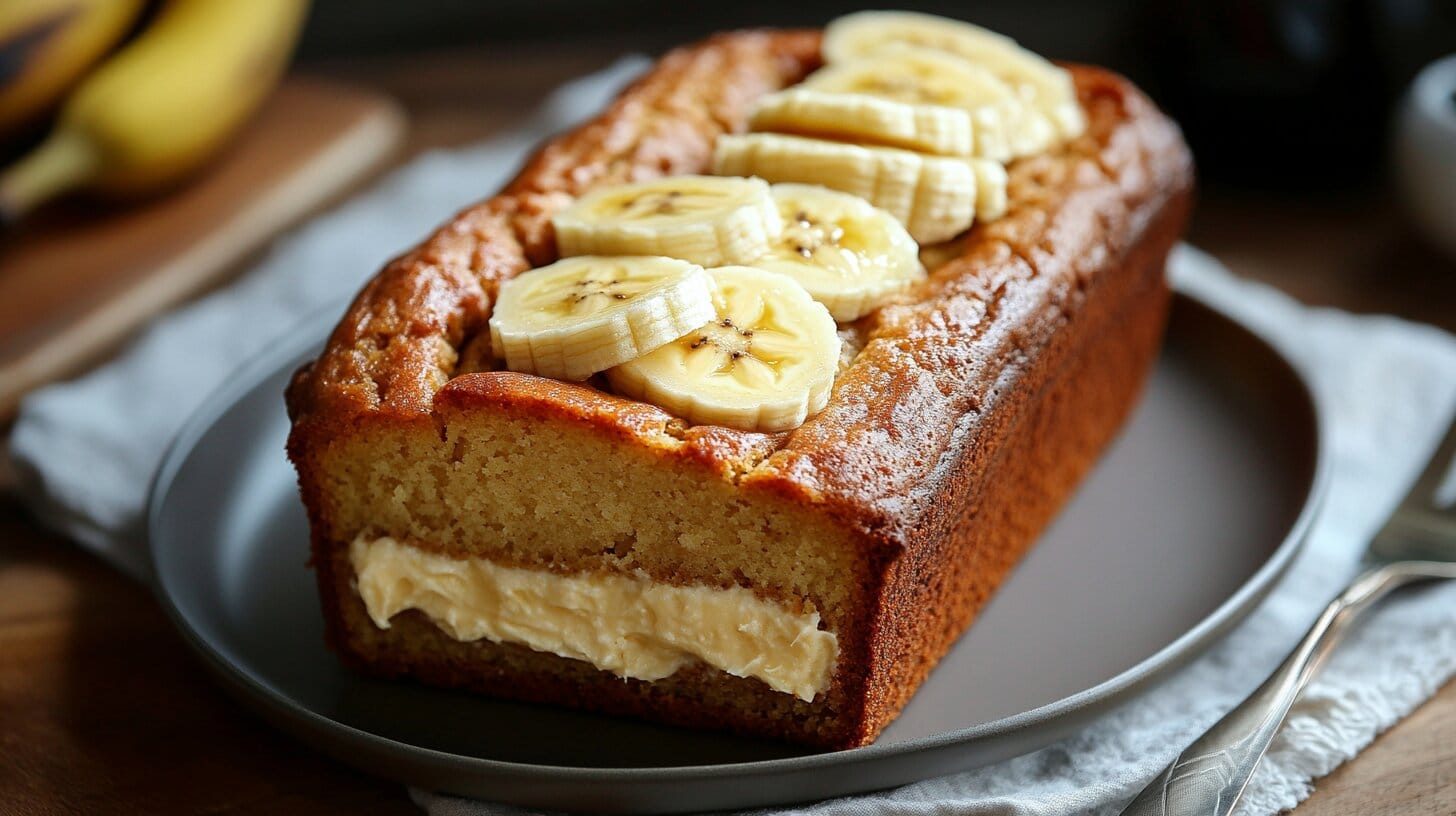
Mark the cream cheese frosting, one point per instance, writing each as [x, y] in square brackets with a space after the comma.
[624, 623]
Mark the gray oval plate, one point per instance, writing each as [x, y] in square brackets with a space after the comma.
[1194, 513]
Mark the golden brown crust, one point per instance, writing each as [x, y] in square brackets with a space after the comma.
[397, 344]
[973, 407]
[1014, 283]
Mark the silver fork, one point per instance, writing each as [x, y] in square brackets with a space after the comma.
[1417, 543]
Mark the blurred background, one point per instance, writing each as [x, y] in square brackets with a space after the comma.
[1314, 175]
[1278, 94]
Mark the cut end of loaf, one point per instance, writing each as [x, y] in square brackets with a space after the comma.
[531, 489]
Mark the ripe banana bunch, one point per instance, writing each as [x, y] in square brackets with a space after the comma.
[766, 361]
[163, 104]
[51, 44]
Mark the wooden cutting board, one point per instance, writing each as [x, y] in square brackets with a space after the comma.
[77, 280]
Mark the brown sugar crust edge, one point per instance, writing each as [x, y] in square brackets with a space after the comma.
[975, 405]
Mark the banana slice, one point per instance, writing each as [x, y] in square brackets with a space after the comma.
[764, 362]
[703, 219]
[993, 140]
[991, 197]
[848, 255]
[1013, 126]
[932, 79]
[1046, 86]
[586, 314]
[933, 196]
[864, 32]
[864, 118]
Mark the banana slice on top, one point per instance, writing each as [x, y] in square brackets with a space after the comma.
[933, 196]
[704, 219]
[582, 315]
[991, 195]
[863, 32]
[1008, 125]
[866, 118]
[1046, 86]
[764, 362]
[847, 254]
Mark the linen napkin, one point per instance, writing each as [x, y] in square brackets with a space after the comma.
[86, 449]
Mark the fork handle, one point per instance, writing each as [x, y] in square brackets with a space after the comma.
[1210, 775]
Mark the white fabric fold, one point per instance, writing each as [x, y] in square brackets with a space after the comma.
[86, 450]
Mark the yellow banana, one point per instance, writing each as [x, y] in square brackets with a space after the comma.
[164, 104]
[47, 45]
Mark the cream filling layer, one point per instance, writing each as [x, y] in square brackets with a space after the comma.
[626, 624]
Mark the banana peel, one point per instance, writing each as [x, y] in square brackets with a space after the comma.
[46, 46]
[163, 105]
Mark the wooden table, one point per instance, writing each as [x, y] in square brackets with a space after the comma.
[103, 709]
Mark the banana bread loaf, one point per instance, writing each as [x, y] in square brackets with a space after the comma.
[798, 584]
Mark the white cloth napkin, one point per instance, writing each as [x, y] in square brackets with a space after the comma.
[85, 451]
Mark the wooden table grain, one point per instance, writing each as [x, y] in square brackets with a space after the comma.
[103, 709]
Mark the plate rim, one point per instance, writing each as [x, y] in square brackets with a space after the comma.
[290, 348]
